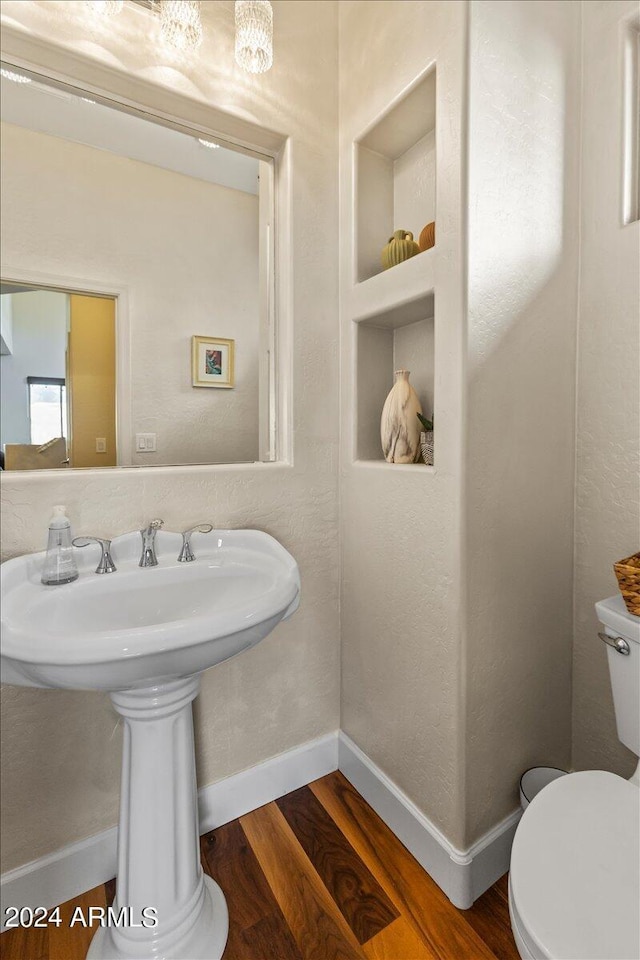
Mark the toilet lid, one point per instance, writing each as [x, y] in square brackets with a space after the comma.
[575, 869]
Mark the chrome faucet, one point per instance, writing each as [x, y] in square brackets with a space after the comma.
[148, 534]
[106, 564]
[187, 554]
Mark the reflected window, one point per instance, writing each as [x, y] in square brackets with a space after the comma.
[47, 408]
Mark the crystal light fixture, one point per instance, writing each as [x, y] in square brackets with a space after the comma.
[254, 35]
[181, 26]
[14, 77]
[104, 8]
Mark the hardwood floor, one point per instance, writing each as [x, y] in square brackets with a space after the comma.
[315, 876]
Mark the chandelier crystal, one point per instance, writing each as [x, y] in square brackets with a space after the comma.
[181, 26]
[254, 35]
[104, 8]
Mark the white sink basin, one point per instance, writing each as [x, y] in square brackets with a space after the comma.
[139, 625]
[145, 635]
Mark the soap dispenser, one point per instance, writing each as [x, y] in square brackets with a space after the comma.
[59, 563]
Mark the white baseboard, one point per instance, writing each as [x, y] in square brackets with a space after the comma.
[243, 792]
[61, 875]
[73, 869]
[463, 874]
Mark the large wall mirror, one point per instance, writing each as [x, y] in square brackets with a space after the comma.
[136, 289]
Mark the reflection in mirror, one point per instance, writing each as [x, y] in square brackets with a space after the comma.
[123, 240]
[62, 347]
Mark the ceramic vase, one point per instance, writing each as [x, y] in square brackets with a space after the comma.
[399, 425]
[401, 247]
[427, 237]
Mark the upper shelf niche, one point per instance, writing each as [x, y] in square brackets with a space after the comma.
[396, 175]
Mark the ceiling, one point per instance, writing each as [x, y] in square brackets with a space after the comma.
[62, 114]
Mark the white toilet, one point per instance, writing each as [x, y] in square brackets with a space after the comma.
[574, 881]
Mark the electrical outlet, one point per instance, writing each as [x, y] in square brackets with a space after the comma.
[101, 445]
[146, 442]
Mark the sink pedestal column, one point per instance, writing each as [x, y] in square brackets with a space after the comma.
[158, 839]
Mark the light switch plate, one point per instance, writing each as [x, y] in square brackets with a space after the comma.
[101, 445]
[146, 442]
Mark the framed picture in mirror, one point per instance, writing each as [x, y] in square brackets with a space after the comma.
[212, 362]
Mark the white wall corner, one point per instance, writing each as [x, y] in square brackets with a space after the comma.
[462, 874]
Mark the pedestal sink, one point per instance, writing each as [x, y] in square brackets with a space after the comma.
[145, 636]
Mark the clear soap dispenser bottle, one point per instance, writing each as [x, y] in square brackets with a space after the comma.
[59, 563]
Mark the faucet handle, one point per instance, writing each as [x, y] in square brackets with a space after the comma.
[152, 525]
[148, 557]
[106, 564]
[187, 554]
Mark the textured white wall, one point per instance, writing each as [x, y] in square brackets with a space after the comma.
[412, 343]
[524, 113]
[608, 439]
[414, 194]
[185, 250]
[39, 326]
[401, 593]
[59, 759]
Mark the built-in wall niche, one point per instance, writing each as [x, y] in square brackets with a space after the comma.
[396, 175]
[402, 339]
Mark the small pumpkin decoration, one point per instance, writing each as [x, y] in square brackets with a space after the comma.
[427, 237]
[401, 246]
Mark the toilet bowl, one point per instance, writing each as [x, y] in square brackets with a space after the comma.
[574, 879]
[574, 891]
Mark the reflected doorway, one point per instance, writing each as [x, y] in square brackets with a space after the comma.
[58, 379]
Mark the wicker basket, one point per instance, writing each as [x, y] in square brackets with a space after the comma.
[426, 447]
[628, 574]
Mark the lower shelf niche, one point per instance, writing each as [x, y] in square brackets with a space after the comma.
[382, 349]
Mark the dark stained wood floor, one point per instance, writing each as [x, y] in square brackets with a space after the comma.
[315, 876]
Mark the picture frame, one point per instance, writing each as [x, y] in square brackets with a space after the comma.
[212, 362]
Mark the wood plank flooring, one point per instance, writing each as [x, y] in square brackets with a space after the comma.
[315, 876]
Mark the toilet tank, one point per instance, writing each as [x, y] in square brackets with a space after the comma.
[623, 670]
